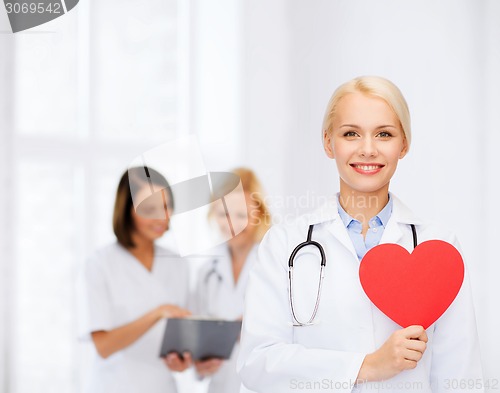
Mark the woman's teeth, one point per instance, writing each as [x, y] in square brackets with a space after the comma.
[367, 167]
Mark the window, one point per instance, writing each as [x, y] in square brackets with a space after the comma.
[92, 90]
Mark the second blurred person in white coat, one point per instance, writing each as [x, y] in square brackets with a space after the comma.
[222, 281]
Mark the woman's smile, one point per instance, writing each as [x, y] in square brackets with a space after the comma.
[367, 168]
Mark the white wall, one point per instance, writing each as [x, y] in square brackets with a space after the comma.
[216, 80]
[489, 137]
[267, 91]
[7, 50]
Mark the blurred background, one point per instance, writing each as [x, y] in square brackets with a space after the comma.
[83, 95]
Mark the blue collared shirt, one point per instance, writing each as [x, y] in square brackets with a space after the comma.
[377, 225]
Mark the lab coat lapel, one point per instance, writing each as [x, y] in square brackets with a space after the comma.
[401, 215]
[329, 216]
[224, 266]
[243, 278]
[142, 276]
[392, 233]
[339, 231]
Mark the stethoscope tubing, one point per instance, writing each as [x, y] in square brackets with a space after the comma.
[308, 242]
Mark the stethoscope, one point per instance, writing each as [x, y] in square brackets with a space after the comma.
[212, 275]
[310, 242]
[213, 271]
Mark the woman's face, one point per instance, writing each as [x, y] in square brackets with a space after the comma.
[244, 218]
[366, 141]
[152, 216]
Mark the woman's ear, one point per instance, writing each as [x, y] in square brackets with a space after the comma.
[404, 150]
[327, 144]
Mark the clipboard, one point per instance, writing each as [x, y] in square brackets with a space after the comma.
[203, 338]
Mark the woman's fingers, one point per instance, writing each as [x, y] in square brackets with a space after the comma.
[173, 311]
[414, 356]
[416, 345]
[208, 367]
[175, 363]
[187, 358]
[415, 332]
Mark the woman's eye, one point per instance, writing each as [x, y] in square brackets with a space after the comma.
[242, 216]
[385, 134]
[221, 214]
[350, 134]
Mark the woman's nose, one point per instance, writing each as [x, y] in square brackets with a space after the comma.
[368, 148]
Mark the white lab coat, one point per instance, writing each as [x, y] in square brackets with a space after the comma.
[115, 289]
[217, 296]
[276, 357]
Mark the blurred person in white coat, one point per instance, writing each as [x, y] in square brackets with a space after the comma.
[347, 344]
[222, 281]
[128, 288]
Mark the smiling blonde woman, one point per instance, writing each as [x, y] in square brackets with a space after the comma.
[334, 338]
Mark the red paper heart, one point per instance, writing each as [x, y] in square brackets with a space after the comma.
[416, 288]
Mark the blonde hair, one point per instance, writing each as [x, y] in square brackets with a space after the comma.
[373, 86]
[252, 187]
